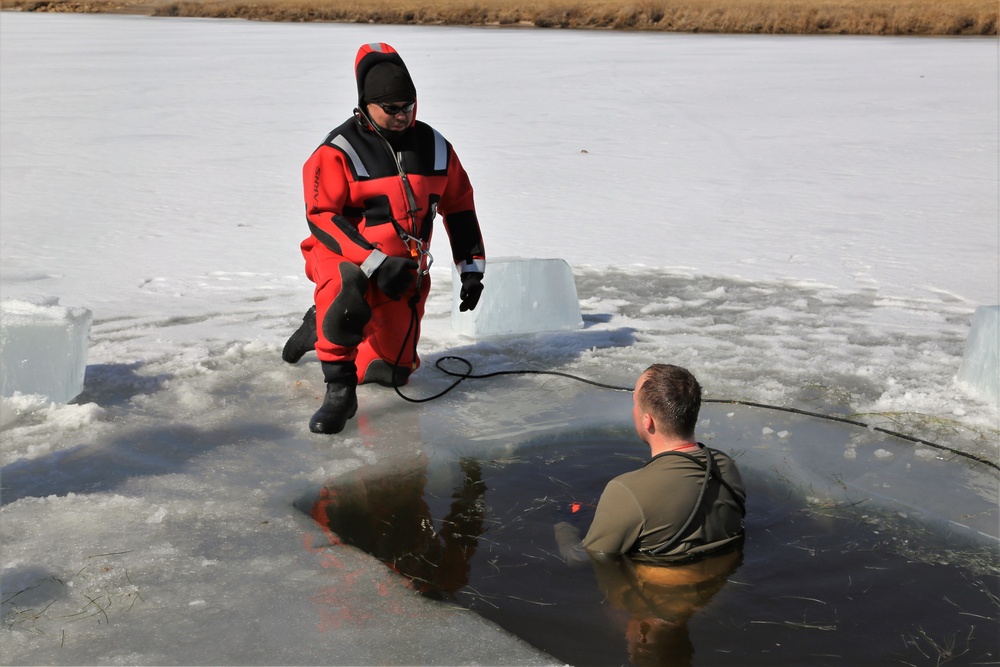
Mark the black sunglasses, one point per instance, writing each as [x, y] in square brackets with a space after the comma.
[392, 109]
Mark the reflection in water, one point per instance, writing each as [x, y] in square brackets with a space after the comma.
[659, 601]
[387, 516]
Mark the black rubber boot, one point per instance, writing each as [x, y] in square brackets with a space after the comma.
[341, 400]
[383, 373]
[303, 340]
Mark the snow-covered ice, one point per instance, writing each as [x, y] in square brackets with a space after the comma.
[802, 221]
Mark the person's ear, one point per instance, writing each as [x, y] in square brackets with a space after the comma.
[648, 423]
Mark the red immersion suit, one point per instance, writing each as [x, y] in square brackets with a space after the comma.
[365, 196]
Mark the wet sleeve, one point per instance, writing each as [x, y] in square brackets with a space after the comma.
[325, 180]
[460, 220]
[617, 523]
[568, 540]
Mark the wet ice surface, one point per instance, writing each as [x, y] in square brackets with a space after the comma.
[820, 246]
[193, 530]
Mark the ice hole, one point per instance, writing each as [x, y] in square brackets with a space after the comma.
[867, 557]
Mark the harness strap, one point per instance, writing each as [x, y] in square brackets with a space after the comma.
[710, 468]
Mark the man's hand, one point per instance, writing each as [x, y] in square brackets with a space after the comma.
[394, 275]
[472, 288]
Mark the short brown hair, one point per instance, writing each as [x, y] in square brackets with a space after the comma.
[673, 396]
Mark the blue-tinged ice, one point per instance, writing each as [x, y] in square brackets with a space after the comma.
[980, 369]
[43, 349]
[520, 295]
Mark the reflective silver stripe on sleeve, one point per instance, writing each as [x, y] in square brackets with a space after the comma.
[341, 142]
[475, 266]
[372, 262]
[440, 152]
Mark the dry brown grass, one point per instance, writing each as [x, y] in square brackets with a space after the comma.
[856, 17]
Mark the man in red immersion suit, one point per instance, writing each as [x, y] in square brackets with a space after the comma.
[372, 191]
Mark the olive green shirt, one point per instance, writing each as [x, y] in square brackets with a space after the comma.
[642, 510]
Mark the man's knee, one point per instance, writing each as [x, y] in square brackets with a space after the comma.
[349, 312]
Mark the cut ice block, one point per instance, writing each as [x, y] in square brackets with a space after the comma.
[980, 369]
[43, 349]
[520, 295]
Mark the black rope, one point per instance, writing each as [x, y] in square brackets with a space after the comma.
[854, 422]
[468, 375]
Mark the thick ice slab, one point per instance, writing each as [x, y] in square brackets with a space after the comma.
[520, 295]
[43, 349]
[980, 369]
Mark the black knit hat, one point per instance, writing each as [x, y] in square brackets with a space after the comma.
[388, 82]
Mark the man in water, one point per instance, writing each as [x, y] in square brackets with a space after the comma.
[687, 502]
[372, 191]
[665, 537]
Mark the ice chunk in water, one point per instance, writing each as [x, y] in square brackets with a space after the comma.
[980, 369]
[520, 295]
[43, 349]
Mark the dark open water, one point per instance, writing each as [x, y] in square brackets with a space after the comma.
[818, 584]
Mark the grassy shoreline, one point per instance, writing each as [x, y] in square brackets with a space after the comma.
[845, 17]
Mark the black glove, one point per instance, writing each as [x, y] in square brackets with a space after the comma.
[394, 275]
[472, 287]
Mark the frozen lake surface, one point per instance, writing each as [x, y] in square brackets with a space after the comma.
[805, 222]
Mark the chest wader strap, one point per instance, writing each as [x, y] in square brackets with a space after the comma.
[709, 468]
